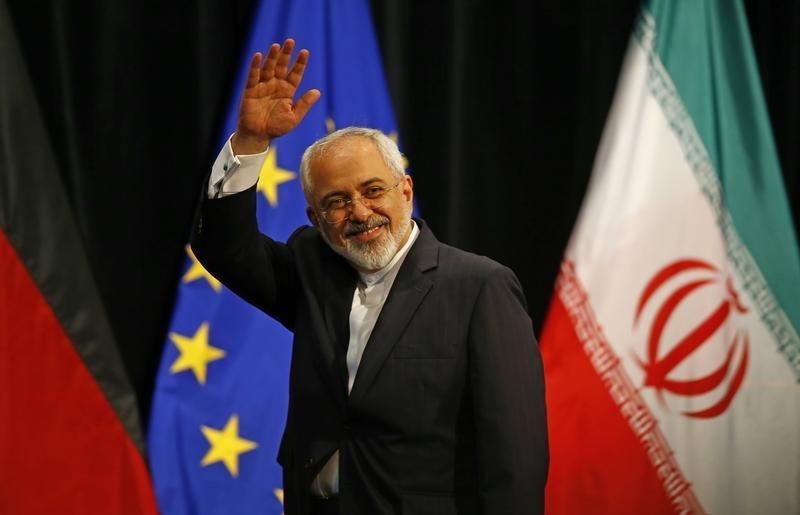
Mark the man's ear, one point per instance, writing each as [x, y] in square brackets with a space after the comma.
[312, 217]
[408, 188]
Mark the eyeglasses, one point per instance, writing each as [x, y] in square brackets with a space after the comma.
[337, 209]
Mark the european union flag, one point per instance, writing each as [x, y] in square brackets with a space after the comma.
[222, 388]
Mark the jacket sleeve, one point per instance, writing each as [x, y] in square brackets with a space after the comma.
[227, 242]
[509, 404]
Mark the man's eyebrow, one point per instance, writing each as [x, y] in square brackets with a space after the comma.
[340, 193]
[371, 181]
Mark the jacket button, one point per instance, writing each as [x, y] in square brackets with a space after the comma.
[308, 463]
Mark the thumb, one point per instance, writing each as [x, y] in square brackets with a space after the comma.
[305, 102]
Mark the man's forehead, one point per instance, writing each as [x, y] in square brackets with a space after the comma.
[349, 158]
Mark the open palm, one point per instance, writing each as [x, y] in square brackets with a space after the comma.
[268, 109]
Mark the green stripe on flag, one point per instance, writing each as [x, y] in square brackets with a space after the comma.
[703, 73]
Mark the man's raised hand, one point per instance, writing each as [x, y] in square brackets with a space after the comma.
[268, 109]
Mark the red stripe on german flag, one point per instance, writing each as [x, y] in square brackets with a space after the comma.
[63, 448]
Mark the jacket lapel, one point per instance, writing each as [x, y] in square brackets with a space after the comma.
[408, 291]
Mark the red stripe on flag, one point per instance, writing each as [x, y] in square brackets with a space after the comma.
[607, 453]
[62, 447]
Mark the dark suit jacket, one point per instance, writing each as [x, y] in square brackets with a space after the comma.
[447, 412]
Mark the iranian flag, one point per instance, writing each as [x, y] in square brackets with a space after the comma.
[671, 347]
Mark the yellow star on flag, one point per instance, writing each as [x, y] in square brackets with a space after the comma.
[196, 271]
[330, 125]
[226, 445]
[196, 353]
[272, 176]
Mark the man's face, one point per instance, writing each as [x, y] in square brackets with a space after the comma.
[368, 237]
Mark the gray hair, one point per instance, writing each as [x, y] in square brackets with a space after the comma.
[388, 149]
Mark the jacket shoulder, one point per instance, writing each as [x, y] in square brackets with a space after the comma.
[461, 263]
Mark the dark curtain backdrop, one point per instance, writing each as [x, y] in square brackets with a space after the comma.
[500, 104]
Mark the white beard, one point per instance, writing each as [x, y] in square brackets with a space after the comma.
[375, 254]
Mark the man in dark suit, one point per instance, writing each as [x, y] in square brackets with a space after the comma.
[416, 384]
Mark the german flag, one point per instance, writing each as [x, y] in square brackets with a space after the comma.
[70, 439]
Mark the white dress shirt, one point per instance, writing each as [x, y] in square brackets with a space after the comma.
[368, 300]
[233, 174]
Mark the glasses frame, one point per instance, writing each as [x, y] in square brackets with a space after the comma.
[348, 207]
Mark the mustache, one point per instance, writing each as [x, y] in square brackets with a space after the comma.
[372, 222]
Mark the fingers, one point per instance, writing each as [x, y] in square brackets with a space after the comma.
[282, 66]
[255, 70]
[276, 65]
[268, 71]
[305, 102]
[296, 74]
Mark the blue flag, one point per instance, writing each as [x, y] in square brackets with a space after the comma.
[222, 388]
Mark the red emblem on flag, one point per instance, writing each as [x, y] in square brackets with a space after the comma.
[687, 278]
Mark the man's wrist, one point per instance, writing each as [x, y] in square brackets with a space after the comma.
[244, 145]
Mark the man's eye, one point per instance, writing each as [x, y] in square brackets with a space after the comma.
[336, 203]
[374, 192]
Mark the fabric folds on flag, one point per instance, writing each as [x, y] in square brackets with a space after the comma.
[671, 348]
[70, 440]
[222, 389]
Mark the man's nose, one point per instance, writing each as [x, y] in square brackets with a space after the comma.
[359, 212]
